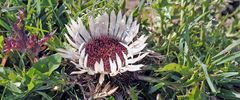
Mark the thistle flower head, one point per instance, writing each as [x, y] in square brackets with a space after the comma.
[108, 46]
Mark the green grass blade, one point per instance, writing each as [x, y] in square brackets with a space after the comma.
[225, 59]
[210, 83]
[231, 46]
[5, 25]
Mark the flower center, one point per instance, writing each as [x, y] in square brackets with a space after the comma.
[104, 48]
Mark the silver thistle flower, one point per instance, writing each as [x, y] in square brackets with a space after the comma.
[108, 47]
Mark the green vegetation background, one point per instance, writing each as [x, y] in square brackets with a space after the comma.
[199, 43]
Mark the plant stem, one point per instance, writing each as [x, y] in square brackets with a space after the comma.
[3, 93]
[4, 60]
